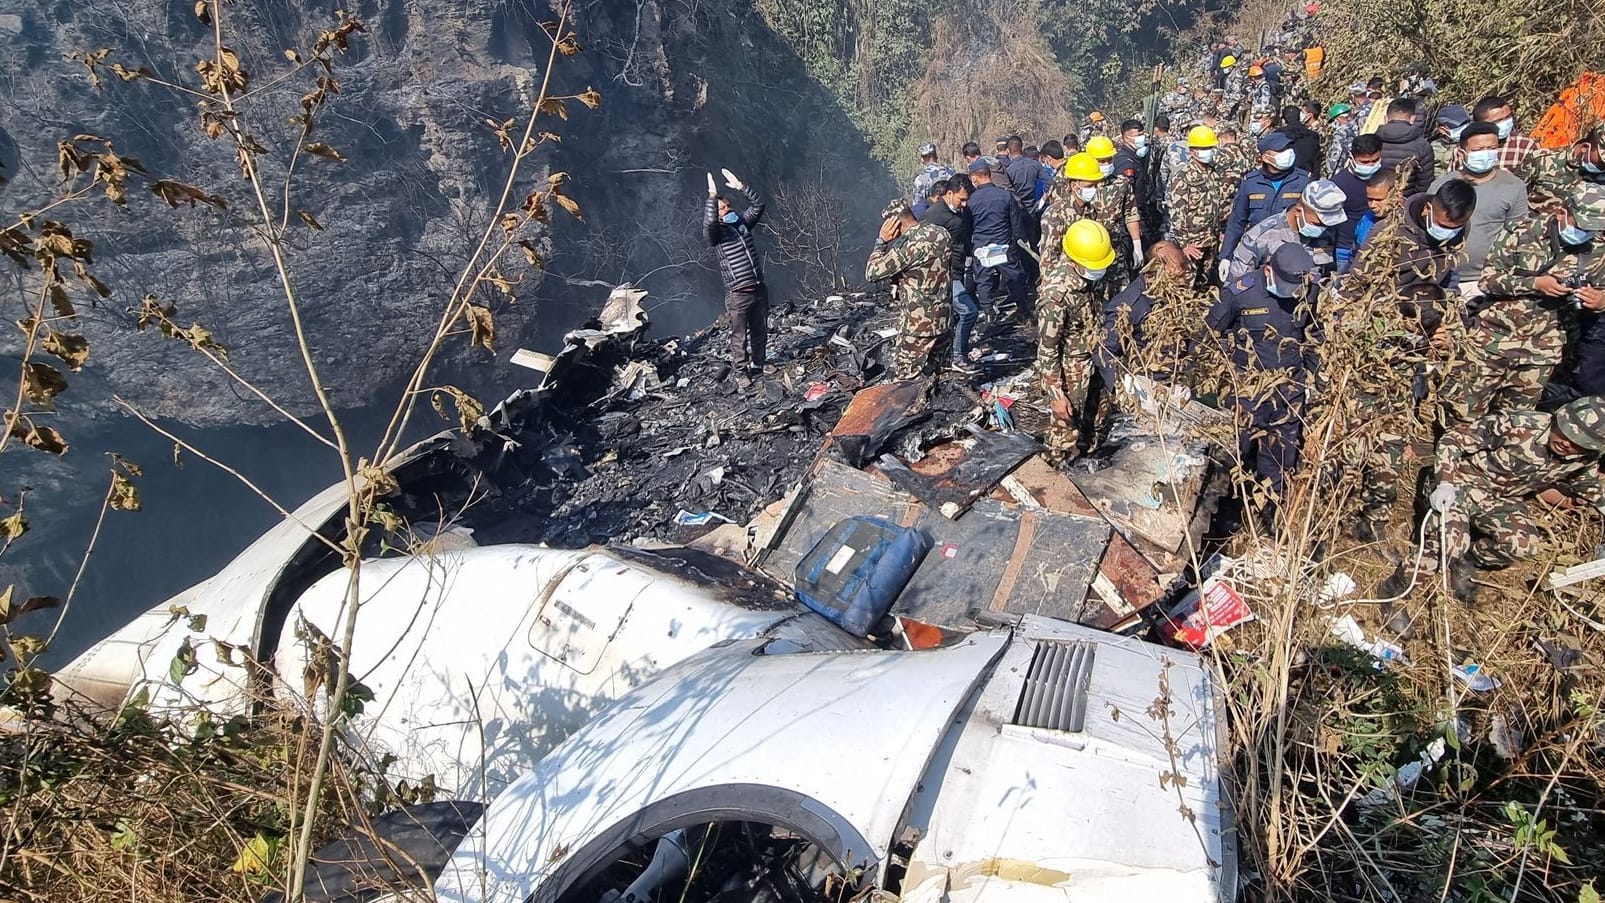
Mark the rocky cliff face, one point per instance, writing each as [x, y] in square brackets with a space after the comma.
[687, 88]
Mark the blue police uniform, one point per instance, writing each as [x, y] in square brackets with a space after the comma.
[1132, 304]
[1262, 332]
[1258, 197]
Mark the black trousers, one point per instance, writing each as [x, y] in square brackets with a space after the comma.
[748, 309]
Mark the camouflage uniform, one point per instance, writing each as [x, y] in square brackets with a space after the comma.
[1497, 464]
[1114, 208]
[1173, 104]
[1517, 337]
[1551, 176]
[1339, 148]
[1200, 198]
[929, 175]
[1067, 307]
[917, 262]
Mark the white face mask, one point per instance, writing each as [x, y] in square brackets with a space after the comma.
[1256, 127]
[1087, 195]
[1506, 126]
[1093, 275]
[1138, 142]
[1456, 132]
[1206, 156]
[1367, 170]
[1108, 169]
[1284, 159]
[1481, 161]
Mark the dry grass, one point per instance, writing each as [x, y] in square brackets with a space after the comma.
[129, 808]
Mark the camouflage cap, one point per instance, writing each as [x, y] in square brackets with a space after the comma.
[1586, 204]
[895, 208]
[1583, 422]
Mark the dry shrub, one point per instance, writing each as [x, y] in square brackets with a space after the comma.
[1528, 53]
[988, 76]
[96, 807]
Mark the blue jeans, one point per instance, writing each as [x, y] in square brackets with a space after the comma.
[965, 312]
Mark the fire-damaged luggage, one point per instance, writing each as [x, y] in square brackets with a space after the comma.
[855, 572]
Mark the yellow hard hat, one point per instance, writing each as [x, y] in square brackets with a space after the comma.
[1228, 62]
[1202, 136]
[1082, 168]
[1101, 148]
[1087, 243]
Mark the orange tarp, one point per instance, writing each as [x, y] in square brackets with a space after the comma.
[1581, 107]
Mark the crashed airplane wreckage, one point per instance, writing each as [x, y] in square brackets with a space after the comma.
[828, 637]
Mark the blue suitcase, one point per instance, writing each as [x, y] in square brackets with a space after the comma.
[856, 571]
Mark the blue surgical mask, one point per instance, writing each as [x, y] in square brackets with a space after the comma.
[1590, 168]
[1275, 289]
[1206, 155]
[1312, 230]
[1138, 142]
[1087, 195]
[1093, 275]
[1571, 235]
[1256, 127]
[1456, 132]
[1367, 170]
[1506, 126]
[732, 217]
[1440, 233]
[1108, 169]
[1481, 161]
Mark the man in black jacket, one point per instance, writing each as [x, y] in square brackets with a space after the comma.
[1306, 143]
[746, 298]
[952, 213]
[1404, 139]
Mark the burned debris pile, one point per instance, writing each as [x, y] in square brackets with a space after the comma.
[636, 438]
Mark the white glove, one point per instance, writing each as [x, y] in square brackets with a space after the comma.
[1225, 265]
[1443, 498]
[1136, 255]
[713, 187]
[731, 180]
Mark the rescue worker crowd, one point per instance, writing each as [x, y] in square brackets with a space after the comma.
[1270, 214]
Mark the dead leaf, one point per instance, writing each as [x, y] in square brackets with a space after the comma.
[61, 303]
[8, 612]
[41, 383]
[319, 149]
[553, 106]
[469, 410]
[124, 494]
[591, 98]
[569, 204]
[73, 349]
[42, 438]
[481, 326]
[531, 255]
[309, 219]
[173, 193]
[13, 526]
[202, 12]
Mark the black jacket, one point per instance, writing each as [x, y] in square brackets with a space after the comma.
[1403, 141]
[959, 228]
[996, 216]
[1306, 147]
[739, 262]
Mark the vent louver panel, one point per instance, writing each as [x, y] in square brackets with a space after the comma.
[1055, 693]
